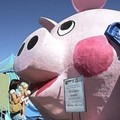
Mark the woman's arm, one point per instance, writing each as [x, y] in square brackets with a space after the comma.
[16, 99]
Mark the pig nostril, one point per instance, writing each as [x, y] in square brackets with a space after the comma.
[19, 52]
[32, 42]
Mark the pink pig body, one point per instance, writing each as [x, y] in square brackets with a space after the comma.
[80, 50]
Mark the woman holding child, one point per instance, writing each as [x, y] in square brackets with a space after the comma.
[16, 100]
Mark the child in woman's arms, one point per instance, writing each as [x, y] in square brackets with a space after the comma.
[23, 88]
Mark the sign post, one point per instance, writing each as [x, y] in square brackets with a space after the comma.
[74, 95]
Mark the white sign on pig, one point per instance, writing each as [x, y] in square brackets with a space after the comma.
[74, 47]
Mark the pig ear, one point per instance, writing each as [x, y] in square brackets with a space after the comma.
[81, 5]
[47, 23]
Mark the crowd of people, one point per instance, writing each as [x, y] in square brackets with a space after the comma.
[18, 98]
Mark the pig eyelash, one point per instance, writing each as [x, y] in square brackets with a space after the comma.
[65, 28]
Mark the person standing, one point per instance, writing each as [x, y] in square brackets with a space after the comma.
[23, 88]
[14, 100]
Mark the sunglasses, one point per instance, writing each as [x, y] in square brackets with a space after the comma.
[113, 33]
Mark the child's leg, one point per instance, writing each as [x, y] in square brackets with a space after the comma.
[23, 110]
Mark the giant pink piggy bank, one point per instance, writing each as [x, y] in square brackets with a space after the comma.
[74, 47]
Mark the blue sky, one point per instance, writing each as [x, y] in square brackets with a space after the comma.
[19, 18]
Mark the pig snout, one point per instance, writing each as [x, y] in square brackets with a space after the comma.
[92, 56]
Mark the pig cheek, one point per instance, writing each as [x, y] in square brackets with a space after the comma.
[92, 56]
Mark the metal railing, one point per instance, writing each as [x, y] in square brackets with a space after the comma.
[3, 111]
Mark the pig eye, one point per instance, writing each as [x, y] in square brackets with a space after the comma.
[32, 42]
[66, 27]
